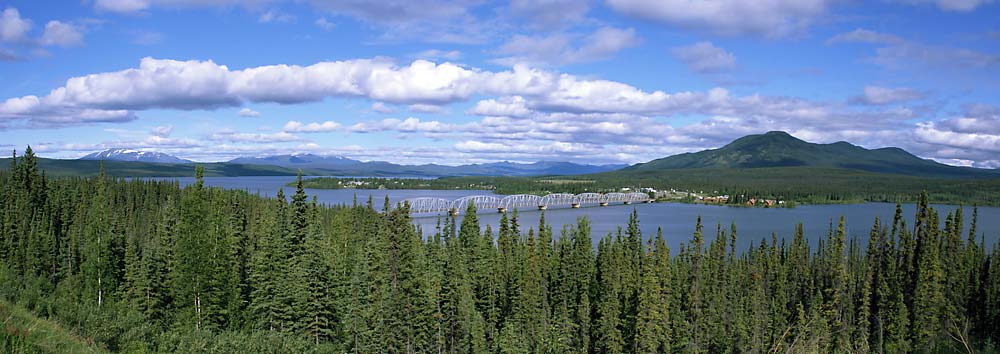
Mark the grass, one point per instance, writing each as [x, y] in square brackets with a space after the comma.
[25, 333]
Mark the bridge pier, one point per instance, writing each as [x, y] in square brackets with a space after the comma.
[543, 207]
[501, 210]
[648, 201]
[627, 202]
[453, 212]
[604, 204]
[575, 206]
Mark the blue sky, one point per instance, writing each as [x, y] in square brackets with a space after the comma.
[473, 81]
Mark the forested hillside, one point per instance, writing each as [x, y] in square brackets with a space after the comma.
[145, 266]
[780, 149]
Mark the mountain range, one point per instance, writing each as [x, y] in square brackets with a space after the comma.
[346, 166]
[329, 165]
[778, 149]
[772, 151]
[134, 155]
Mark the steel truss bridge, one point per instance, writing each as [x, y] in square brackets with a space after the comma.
[522, 202]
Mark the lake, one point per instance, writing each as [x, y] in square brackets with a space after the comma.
[676, 219]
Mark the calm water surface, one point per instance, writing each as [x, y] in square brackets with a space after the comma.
[676, 220]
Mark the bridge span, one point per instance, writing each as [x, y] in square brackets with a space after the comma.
[522, 201]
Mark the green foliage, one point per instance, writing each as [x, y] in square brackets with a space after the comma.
[23, 332]
[144, 266]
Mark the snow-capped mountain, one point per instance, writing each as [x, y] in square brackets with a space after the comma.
[134, 155]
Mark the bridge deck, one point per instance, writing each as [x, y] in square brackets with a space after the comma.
[522, 202]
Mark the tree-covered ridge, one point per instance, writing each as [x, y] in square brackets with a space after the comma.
[145, 266]
[779, 149]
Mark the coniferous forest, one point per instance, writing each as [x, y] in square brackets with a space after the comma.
[146, 266]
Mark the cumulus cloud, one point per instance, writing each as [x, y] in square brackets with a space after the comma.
[246, 112]
[775, 18]
[877, 95]
[704, 57]
[383, 108]
[509, 106]
[13, 28]
[426, 108]
[314, 127]
[973, 136]
[602, 119]
[206, 85]
[561, 48]
[189, 85]
[61, 34]
[408, 125]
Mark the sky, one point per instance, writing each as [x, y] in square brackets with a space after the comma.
[470, 81]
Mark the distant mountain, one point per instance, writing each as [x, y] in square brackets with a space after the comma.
[85, 168]
[131, 163]
[536, 169]
[298, 161]
[338, 165]
[779, 149]
[135, 156]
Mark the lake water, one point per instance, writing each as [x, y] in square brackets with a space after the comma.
[677, 220]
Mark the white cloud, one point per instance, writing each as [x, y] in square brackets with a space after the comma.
[561, 48]
[771, 18]
[432, 54]
[141, 6]
[206, 85]
[952, 5]
[606, 120]
[61, 34]
[299, 127]
[862, 35]
[122, 6]
[509, 106]
[704, 57]
[162, 131]
[408, 125]
[246, 112]
[444, 21]
[325, 25]
[275, 16]
[186, 85]
[232, 136]
[383, 108]
[426, 108]
[897, 53]
[13, 28]
[877, 95]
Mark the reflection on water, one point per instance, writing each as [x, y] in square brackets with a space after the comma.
[676, 220]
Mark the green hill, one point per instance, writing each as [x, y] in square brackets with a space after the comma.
[779, 149]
